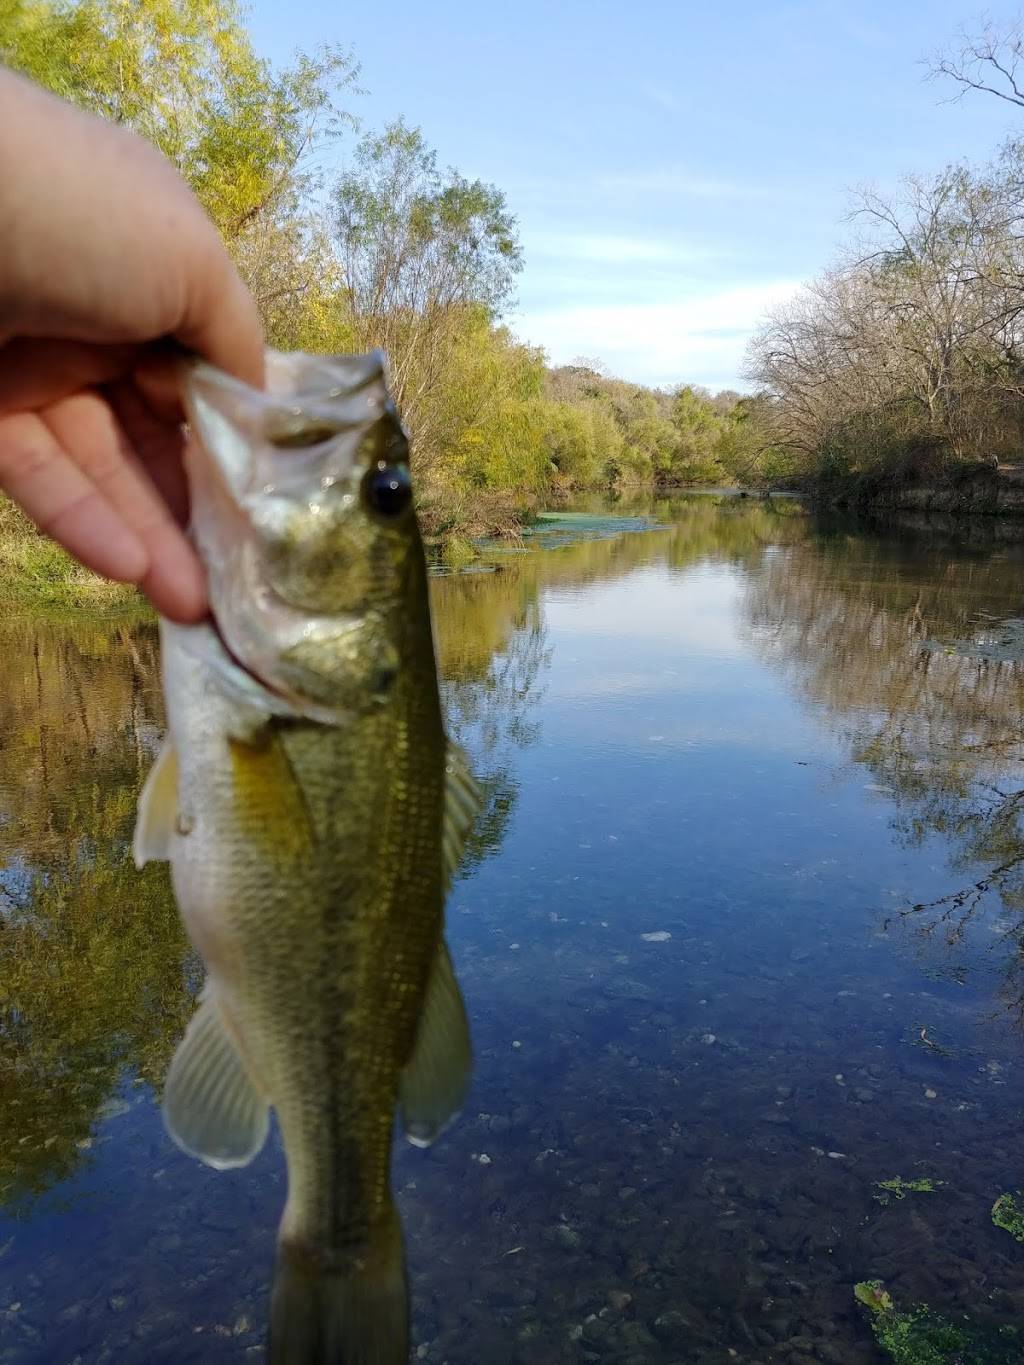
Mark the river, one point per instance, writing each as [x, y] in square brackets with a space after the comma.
[741, 935]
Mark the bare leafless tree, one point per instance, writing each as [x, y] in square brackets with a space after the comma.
[989, 60]
[912, 342]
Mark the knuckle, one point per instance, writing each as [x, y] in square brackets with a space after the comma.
[22, 459]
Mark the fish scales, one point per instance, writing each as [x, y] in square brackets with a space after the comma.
[304, 802]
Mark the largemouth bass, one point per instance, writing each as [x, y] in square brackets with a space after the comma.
[312, 811]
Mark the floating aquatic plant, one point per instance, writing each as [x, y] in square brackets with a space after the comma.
[920, 1336]
[1008, 1213]
[898, 1188]
[874, 1294]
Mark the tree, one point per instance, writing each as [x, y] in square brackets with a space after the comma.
[989, 61]
[699, 429]
[184, 74]
[908, 349]
[419, 250]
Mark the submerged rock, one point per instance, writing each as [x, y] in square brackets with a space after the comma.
[673, 1328]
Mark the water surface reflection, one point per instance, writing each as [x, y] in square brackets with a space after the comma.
[725, 758]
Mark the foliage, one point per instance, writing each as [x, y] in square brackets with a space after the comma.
[414, 239]
[184, 74]
[35, 572]
[422, 252]
[699, 433]
[425, 262]
[604, 430]
[400, 254]
[1008, 1213]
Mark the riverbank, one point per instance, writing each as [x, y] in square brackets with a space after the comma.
[975, 489]
[36, 573]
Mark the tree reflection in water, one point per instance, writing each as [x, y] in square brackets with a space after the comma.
[882, 635]
[96, 977]
[94, 966]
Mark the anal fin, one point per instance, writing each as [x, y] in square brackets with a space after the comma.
[212, 1110]
[463, 803]
[434, 1082]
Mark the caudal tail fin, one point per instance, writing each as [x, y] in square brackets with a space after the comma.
[356, 1317]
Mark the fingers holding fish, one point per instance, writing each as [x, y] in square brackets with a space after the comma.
[38, 371]
[151, 417]
[40, 475]
[134, 462]
[74, 470]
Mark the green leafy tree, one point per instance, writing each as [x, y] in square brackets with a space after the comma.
[746, 449]
[699, 432]
[184, 74]
[492, 466]
[420, 249]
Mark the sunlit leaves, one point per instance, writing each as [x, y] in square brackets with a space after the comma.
[184, 74]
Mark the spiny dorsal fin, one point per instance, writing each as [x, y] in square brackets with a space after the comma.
[434, 1082]
[211, 1108]
[463, 802]
[158, 809]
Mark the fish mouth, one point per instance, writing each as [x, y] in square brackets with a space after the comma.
[305, 426]
[208, 645]
[302, 433]
[238, 662]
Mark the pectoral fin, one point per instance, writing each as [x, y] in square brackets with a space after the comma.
[158, 809]
[211, 1107]
[436, 1077]
[270, 805]
[463, 801]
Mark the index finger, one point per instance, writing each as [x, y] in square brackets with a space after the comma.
[40, 370]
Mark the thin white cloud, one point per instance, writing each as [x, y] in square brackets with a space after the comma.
[678, 182]
[609, 249]
[695, 337]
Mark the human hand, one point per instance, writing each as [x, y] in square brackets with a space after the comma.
[108, 268]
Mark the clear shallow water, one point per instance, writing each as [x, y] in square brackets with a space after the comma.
[761, 740]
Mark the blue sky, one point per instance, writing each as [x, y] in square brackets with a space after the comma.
[675, 168]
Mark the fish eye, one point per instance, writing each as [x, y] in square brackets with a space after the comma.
[387, 490]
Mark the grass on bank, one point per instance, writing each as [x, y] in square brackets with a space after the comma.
[36, 573]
